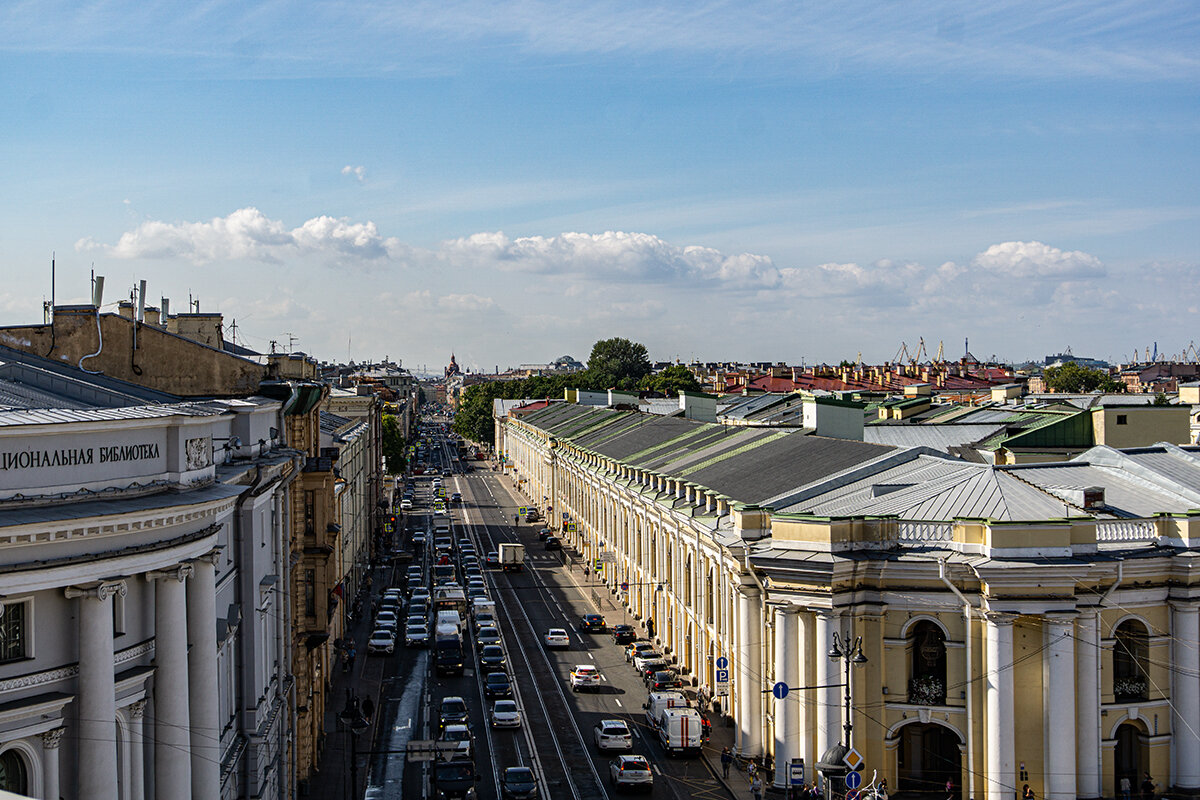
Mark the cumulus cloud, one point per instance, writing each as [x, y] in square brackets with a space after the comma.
[465, 302]
[247, 234]
[883, 278]
[359, 173]
[1037, 260]
[612, 255]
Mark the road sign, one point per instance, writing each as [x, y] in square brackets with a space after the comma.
[853, 779]
[607, 557]
[565, 514]
[722, 663]
[722, 676]
[599, 565]
[796, 772]
[522, 510]
[780, 690]
[624, 586]
[854, 761]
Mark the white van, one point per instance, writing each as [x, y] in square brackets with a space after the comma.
[658, 702]
[681, 731]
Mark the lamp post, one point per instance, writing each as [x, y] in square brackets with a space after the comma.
[849, 652]
[352, 717]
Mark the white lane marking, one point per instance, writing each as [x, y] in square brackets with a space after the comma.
[589, 655]
[655, 768]
[618, 702]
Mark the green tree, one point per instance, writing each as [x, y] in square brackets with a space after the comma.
[1161, 399]
[671, 381]
[1074, 378]
[395, 446]
[617, 363]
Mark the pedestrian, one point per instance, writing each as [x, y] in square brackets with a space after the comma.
[1147, 787]
[1027, 793]
[726, 760]
[756, 787]
[1126, 788]
[752, 770]
[351, 656]
[650, 627]
[951, 791]
[881, 792]
[716, 708]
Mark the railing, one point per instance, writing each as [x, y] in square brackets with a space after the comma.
[925, 531]
[1126, 530]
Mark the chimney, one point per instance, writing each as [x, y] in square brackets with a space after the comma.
[152, 316]
[125, 309]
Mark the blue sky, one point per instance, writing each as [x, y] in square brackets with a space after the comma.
[753, 180]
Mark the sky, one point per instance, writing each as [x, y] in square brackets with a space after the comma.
[510, 182]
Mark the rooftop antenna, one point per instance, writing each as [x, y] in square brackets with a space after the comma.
[291, 340]
[274, 345]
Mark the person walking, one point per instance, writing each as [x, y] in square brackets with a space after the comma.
[1027, 793]
[726, 760]
[756, 788]
[1126, 788]
[1147, 787]
[881, 792]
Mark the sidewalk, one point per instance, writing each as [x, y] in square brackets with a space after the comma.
[333, 775]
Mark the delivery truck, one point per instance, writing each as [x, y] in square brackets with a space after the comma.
[512, 556]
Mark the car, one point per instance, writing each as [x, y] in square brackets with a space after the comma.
[446, 473]
[415, 619]
[518, 783]
[553, 543]
[557, 638]
[623, 634]
[505, 714]
[585, 676]
[544, 534]
[651, 666]
[637, 645]
[487, 634]
[631, 772]
[420, 594]
[497, 685]
[613, 734]
[594, 623]
[390, 604]
[475, 593]
[387, 619]
[492, 559]
[456, 497]
[532, 515]
[382, 641]
[452, 711]
[641, 658]
[419, 538]
[664, 680]
[492, 659]
[418, 609]
[462, 735]
[416, 635]
[474, 573]
[406, 505]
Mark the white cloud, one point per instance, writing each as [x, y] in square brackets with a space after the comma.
[465, 302]
[248, 235]
[1037, 260]
[359, 173]
[612, 255]
[885, 278]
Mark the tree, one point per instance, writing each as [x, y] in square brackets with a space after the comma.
[617, 363]
[671, 381]
[1161, 399]
[1074, 378]
[395, 446]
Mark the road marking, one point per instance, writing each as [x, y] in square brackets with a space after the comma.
[655, 768]
[618, 702]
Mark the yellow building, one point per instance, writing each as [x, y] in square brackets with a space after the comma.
[1033, 624]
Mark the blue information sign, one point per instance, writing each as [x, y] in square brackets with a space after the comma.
[722, 663]
[780, 690]
[853, 780]
[722, 676]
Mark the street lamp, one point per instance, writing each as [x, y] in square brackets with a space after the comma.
[849, 652]
[352, 717]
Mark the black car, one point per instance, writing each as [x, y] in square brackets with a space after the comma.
[544, 534]
[552, 543]
[455, 779]
[491, 658]
[497, 685]
[518, 783]
[532, 515]
[623, 634]
[652, 666]
[453, 711]
[664, 680]
[594, 623]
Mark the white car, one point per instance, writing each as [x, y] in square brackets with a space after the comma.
[462, 735]
[613, 734]
[626, 771]
[585, 676]
[645, 657]
[557, 637]
[416, 635]
[420, 594]
[406, 505]
[387, 619]
[382, 641]
[505, 714]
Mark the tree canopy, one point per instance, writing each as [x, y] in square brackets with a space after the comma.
[1074, 378]
[671, 381]
[395, 447]
[617, 364]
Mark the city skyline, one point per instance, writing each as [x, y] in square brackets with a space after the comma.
[511, 183]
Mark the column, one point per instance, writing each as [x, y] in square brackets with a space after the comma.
[1087, 704]
[137, 750]
[1001, 773]
[50, 741]
[202, 679]
[1185, 696]
[97, 691]
[172, 737]
[749, 672]
[828, 700]
[787, 710]
[1059, 663]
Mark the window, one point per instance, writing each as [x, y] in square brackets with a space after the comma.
[927, 679]
[1122, 419]
[14, 775]
[310, 592]
[118, 612]
[1131, 650]
[14, 644]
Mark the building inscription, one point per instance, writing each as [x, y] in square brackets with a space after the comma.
[77, 456]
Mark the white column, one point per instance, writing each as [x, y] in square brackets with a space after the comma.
[787, 710]
[137, 750]
[1059, 663]
[1001, 775]
[1087, 705]
[97, 691]
[829, 702]
[1185, 696]
[749, 672]
[202, 679]
[172, 737]
[50, 741]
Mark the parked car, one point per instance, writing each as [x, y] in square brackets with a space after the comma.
[664, 680]
[623, 634]
[553, 543]
[594, 623]
[613, 734]
[518, 783]
[557, 638]
[651, 666]
[643, 657]
[505, 714]
[631, 772]
[382, 641]
[585, 676]
[636, 646]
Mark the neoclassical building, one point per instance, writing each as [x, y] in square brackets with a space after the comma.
[1018, 625]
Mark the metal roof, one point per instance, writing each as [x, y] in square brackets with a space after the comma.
[53, 416]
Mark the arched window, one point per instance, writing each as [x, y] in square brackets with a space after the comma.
[1131, 651]
[14, 774]
[927, 676]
